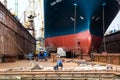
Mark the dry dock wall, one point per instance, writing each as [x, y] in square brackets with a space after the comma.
[15, 40]
[113, 42]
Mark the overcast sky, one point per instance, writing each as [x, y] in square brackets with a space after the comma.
[24, 5]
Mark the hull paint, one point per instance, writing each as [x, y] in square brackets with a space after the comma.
[82, 40]
[96, 42]
[59, 23]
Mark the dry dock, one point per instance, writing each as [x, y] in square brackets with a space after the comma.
[23, 70]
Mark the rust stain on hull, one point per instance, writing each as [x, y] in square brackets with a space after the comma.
[15, 40]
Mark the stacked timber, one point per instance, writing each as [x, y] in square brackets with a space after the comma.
[15, 40]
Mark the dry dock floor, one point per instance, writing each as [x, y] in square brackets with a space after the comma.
[45, 64]
[19, 68]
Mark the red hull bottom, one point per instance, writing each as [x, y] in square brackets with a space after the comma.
[82, 40]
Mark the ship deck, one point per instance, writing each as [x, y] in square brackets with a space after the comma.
[23, 70]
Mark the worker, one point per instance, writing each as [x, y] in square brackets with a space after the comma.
[30, 56]
[59, 65]
[91, 56]
[40, 55]
[45, 55]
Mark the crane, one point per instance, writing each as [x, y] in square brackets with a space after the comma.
[16, 7]
[29, 16]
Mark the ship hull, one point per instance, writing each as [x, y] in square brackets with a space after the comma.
[15, 40]
[82, 40]
[86, 33]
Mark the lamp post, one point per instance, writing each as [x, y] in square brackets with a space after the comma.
[104, 45]
[74, 19]
[75, 6]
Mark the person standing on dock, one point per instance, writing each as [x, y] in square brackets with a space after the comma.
[45, 55]
[91, 56]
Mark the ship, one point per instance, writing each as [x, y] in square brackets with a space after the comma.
[15, 40]
[111, 40]
[77, 24]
